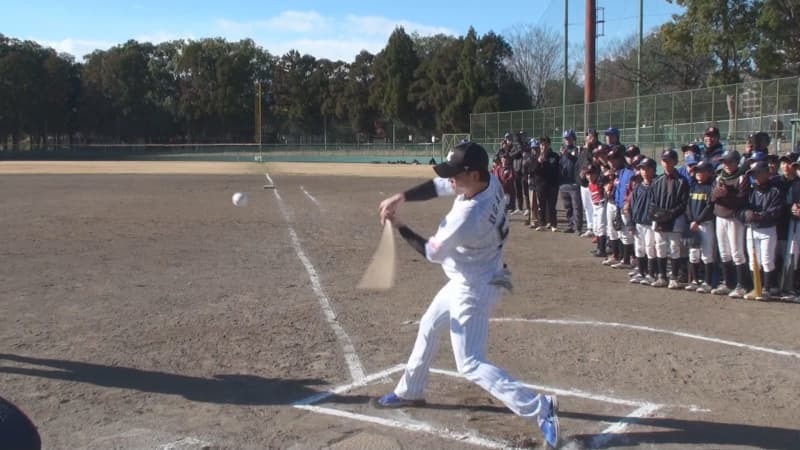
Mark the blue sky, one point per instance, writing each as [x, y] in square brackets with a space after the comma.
[335, 30]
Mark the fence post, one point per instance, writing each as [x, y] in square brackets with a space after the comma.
[713, 103]
[735, 114]
[761, 105]
[777, 111]
[691, 108]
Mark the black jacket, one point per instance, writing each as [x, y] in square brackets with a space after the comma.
[568, 166]
[584, 162]
[700, 207]
[730, 193]
[516, 155]
[765, 203]
[546, 173]
[671, 199]
[641, 196]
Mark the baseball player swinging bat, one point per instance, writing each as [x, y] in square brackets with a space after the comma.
[756, 265]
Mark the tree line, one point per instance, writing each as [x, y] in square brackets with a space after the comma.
[206, 90]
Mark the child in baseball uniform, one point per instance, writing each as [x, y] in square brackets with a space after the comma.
[668, 208]
[730, 193]
[644, 237]
[700, 216]
[598, 199]
[760, 215]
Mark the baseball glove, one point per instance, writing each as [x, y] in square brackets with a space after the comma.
[659, 215]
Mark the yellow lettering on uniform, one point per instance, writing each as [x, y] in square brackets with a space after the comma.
[699, 196]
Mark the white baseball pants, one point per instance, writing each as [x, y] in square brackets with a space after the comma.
[623, 234]
[707, 242]
[668, 244]
[599, 222]
[730, 240]
[586, 199]
[644, 241]
[465, 309]
[765, 241]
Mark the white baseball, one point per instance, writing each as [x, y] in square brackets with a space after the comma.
[240, 199]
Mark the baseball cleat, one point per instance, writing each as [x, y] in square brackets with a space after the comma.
[392, 401]
[704, 288]
[722, 289]
[548, 420]
[737, 292]
[659, 283]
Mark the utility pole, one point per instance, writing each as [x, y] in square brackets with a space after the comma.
[566, 68]
[639, 70]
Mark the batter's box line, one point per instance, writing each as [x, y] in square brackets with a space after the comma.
[643, 409]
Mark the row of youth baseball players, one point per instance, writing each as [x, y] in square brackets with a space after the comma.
[697, 227]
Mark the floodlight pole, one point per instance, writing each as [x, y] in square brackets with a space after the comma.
[639, 70]
[566, 68]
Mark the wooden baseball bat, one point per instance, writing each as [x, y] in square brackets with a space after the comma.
[756, 265]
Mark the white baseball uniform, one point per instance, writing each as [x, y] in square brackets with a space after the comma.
[469, 246]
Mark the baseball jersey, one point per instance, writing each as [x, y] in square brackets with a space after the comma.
[469, 241]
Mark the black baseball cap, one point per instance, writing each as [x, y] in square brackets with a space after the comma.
[711, 131]
[632, 150]
[758, 168]
[646, 162]
[669, 153]
[463, 157]
[731, 155]
[704, 165]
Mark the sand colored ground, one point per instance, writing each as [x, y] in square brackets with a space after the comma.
[211, 168]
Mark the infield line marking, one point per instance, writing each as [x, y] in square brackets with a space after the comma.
[311, 197]
[652, 330]
[423, 427]
[316, 398]
[184, 441]
[269, 180]
[605, 436]
[350, 356]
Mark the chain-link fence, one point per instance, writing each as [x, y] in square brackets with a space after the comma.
[665, 120]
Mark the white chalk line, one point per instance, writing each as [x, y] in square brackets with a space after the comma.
[184, 441]
[605, 436]
[652, 330]
[311, 197]
[643, 409]
[316, 398]
[269, 180]
[350, 356]
[415, 426]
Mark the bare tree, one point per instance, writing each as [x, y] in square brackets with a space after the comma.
[537, 59]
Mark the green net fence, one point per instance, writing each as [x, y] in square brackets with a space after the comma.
[669, 119]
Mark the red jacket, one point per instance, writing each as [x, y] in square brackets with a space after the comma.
[506, 177]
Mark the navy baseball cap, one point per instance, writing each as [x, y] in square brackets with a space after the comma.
[463, 157]
[569, 134]
[534, 143]
[612, 132]
[758, 168]
[690, 160]
[705, 165]
[646, 162]
[711, 131]
[615, 151]
[758, 156]
[731, 155]
[669, 153]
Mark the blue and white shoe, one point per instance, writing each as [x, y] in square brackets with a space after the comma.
[392, 401]
[548, 419]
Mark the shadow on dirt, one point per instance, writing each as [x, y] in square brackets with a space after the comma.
[224, 388]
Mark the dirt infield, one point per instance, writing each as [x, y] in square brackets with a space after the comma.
[210, 168]
[146, 311]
